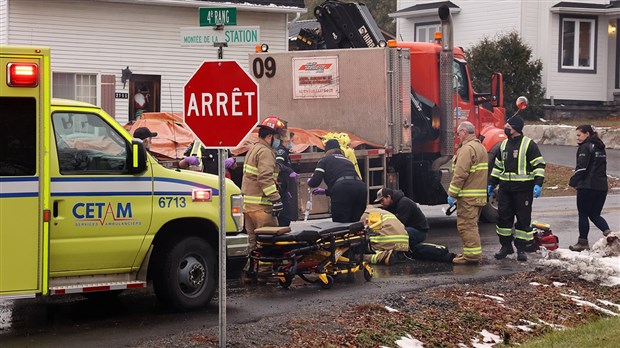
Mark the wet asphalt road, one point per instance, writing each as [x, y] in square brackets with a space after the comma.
[135, 317]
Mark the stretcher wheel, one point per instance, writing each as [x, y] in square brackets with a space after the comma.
[329, 284]
[367, 274]
[287, 281]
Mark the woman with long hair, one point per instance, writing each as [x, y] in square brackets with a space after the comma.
[590, 180]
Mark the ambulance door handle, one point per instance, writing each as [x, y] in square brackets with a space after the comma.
[55, 209]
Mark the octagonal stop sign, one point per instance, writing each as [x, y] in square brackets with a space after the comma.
[220, 104]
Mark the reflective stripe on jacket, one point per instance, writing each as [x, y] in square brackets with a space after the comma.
[518, 165]
[389, 232]
[259, 177]
[470, 169]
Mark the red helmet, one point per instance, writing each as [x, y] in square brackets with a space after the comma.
[274, 124]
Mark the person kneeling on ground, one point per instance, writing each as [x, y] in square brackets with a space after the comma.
[389, 239]
[407, 211]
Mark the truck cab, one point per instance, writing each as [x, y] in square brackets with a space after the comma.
[85, 208]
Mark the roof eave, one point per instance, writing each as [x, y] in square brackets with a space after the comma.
[420, 13]
[586, 11]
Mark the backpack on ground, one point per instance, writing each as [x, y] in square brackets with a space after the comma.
[432, 252]
[543, 237]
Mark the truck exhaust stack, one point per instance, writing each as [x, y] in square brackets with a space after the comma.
[446, 72]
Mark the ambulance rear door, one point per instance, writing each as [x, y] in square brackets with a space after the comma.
[24, 188]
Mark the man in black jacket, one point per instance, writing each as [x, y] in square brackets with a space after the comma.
[407, 211]
[519, 170]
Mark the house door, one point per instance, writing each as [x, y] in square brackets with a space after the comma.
[144, 95]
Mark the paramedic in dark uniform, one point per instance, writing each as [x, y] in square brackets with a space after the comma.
[519, 169]
[345, 188]
[286, 179]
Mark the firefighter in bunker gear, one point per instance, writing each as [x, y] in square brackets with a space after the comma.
[261, 200]
[344, 187]
[519, 169]
[389, 239]
[468, 189]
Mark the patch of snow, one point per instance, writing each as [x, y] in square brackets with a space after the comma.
[496, 298]
[390, 309]
[524, 328]
[552, 187]
[558, 284]
[535, 283]
[488, 340]
[408, 342]
[553, 326]
[581, 302]
[589, 265]
[607, 303]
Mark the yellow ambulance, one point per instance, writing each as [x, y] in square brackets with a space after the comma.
[84, 208]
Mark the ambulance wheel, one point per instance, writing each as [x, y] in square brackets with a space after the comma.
[329, 284]
[367, 275]
[185, 278]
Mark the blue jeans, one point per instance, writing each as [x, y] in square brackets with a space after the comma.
[415, 236]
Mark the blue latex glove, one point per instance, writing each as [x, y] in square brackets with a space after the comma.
[451, 201]
[537, 191]
[229, 162]
[192, 160]
[490, 190]
[293, 175]
[318, 191]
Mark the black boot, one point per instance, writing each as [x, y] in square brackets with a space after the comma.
[504, 251]
[521, 255]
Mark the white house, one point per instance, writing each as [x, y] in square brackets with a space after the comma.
[93, 41]
[577, 42]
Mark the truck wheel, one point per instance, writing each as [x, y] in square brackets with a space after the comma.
[185, 278]
[489, 211]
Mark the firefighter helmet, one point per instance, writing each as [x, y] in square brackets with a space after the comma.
[274, 124]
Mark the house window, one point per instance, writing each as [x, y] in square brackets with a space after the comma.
[80, 87]
[578, 44]
[425, 32]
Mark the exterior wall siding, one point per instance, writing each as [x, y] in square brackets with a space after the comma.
[539, 28]
[103, 38]
[4, 22]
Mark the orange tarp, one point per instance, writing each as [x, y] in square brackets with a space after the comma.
[174, 136]
[302, 140]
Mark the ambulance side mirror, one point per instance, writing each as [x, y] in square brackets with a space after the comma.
[136, 157]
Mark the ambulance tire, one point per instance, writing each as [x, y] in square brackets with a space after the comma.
[185, 279]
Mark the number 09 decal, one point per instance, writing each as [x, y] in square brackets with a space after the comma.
[262, 68]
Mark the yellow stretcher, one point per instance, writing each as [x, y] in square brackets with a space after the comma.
[326, 249]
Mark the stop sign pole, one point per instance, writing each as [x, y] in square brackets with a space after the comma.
[220, 105]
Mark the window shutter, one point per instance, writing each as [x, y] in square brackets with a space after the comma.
[108, 86]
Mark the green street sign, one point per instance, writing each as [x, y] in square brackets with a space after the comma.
[211, 16]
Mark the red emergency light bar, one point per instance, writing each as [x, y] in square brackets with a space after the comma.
[22, 75]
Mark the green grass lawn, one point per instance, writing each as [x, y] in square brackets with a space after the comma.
[600, 333]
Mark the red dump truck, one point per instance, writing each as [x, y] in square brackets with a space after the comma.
[408, 97]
